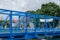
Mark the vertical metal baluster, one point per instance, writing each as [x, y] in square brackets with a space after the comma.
[45, 25]
[19, 23]
[11, 25]
[26, 32]
[53, 25]
[39, 26]
[35, 25]
[39, 21]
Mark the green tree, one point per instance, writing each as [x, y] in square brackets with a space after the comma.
[51, 9]
[48, 9]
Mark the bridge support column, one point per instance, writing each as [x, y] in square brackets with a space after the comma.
[35, 26]
[11, 25]
[26, 32]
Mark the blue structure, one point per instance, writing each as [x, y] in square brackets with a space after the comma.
[26, 30]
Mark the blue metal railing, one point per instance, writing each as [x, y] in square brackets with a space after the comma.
[28, 31]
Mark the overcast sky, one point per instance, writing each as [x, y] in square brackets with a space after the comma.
[24, 5]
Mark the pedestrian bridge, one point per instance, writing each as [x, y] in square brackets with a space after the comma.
[27, 25]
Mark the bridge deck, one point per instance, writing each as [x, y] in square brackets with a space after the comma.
[6, 32]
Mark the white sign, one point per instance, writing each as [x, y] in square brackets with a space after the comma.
[46, 20]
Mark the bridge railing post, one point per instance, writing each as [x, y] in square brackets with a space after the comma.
[11, 25]
[26, 31]
[35, 26]
[19, 22]
[53, 28]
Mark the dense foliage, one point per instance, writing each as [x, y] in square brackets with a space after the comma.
[48, 9]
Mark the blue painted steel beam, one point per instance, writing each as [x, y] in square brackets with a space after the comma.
[14, 14]
[18, 22]
[11, 26]
[35, 25]
[26, 32]
[10, 10]
[4, 13]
